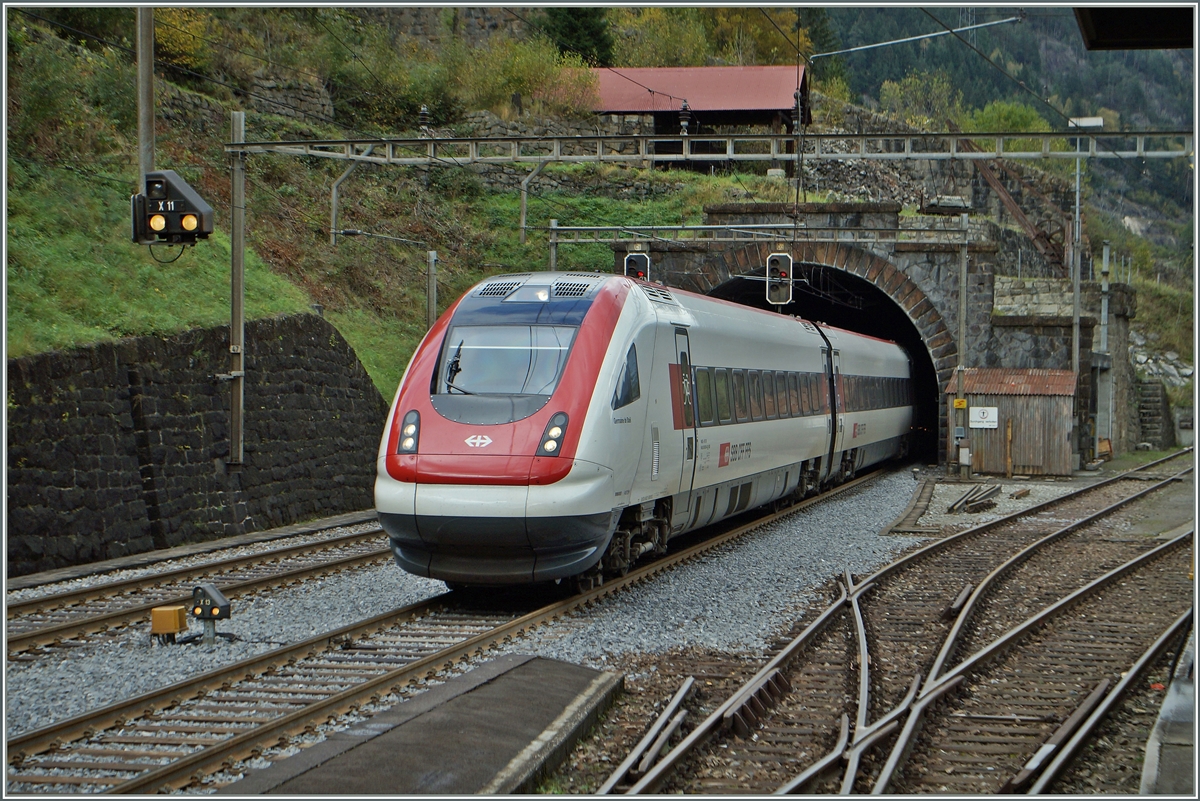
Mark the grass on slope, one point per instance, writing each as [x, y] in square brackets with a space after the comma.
[74, 277]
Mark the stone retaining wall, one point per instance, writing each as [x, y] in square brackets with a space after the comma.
[122, 447]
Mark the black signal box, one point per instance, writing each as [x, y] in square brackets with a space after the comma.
[209, 603]
[169, 211]
[779, 279]
[637, 265]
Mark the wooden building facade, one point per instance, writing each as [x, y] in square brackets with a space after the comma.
[1019, 421]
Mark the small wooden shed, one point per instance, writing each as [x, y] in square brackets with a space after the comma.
[1018, 421]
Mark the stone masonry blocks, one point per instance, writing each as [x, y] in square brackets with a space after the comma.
[146, 450]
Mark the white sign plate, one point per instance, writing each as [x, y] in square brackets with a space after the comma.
[984, 417]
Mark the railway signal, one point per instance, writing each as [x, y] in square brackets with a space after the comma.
[209, 605]
[637, 265]
[169, 212]
[779, 279]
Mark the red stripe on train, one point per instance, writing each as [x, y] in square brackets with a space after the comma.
[518, 466]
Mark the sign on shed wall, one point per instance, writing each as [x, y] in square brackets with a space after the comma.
[984, 417]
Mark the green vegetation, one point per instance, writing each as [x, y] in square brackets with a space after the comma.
[74, 277]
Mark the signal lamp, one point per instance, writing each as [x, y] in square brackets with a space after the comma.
[637, 265]
[169, 212]
[779, 284]
[552, 438]
[410, 431]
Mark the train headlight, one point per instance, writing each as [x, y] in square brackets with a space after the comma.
[552, 438]
[410, 431]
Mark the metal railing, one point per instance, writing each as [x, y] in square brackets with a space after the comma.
[647, 148]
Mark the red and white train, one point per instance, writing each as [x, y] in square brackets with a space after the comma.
[560, 425]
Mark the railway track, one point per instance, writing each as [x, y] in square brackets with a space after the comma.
[170, 738]
[64, 617]
[888, 645]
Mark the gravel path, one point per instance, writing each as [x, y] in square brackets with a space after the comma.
[947, 493]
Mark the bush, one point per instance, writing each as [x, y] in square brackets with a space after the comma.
[488, 76]
[93, 115]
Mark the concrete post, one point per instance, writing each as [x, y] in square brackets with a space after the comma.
[237, 319]
[145, 93]
[431, 291]
[960, 414]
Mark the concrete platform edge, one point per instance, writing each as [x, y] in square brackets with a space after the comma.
[1174, 731]
[261, 780]
[542, 756]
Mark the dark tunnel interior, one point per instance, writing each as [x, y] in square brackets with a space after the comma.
[846, 301]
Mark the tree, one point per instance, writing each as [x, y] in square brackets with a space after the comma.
[579, 31]
[923, 99]
[658, 37]
[748, 36]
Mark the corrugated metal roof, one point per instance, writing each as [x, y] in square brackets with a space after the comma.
[627, 90]
[1011, 381]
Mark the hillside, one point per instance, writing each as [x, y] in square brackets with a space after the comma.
[84, 281]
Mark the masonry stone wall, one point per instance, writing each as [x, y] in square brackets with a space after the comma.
[122, 447]
[288, 97]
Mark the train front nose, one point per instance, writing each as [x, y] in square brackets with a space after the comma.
[487, 534]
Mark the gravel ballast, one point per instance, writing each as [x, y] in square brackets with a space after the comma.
[739, 596]
[733, 599]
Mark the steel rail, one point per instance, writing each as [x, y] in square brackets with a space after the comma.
[94, 591]
[1001, 645]
[950, 643]
[654, 780]
[56, 734]
[651, 736]
[656, 776]
[1068, 751]
[50, 634]
[240, 744]
[946, 542]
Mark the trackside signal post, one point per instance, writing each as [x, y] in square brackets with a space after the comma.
[237, 315]
[637, 265]
[779, 279]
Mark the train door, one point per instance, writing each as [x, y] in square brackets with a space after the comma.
[835, 416]
[688, 468]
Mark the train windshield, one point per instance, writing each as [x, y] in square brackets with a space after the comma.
[504, 359]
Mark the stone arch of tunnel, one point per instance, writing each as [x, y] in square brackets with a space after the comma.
[851, 288]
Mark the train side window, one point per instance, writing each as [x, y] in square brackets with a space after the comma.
[806, 404]
[721, 384]
[628, 388]
[768, 380]
[794, 394]
[685, 372]
[741, 406]
[781, 401]
[704, 398]
[756, 395]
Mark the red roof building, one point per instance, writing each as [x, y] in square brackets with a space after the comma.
[715, 96]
